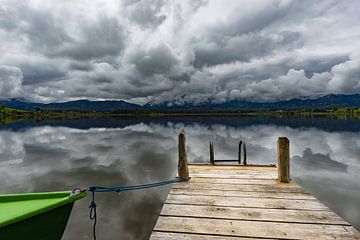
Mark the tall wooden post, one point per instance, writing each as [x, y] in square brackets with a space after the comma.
[283, 147]
[183, 170]
[239, 152]
[212, 158]
[244, 148]
[243, 145]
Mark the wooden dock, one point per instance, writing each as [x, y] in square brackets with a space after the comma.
[243, 202]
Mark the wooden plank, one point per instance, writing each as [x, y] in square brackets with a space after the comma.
[230, 167]
[240, 187]
[189, 236]
[238, 228]
[230, 193]
[246, 202]
[235, 173]
[231, 171]
[271, 176]
[277, 215]
[239, 181]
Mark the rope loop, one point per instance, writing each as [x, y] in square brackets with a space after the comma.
[119, 189]
[93, 215]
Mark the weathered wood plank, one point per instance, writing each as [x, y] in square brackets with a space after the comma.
[239, 181]
[193, 168]
[190, 236]
[233, 172]
[230, 193]
[271, 176]
[238, 228]
[236, 202]
[246, 202]
[258, 214]
[240, 187]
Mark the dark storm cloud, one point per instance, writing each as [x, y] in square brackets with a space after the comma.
[48, 34]
[41, 72]
[157, 60]
[37, 28]
[318, 64]
[95, 41]
[274, 69]
[244, 47]
[250, 21]
[184, 50]
[145, 13]
[81, 66]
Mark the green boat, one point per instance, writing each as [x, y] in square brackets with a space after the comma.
[36, 216]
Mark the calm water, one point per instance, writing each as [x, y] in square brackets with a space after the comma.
[61, 155]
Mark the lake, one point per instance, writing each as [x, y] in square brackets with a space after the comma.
[62, 155]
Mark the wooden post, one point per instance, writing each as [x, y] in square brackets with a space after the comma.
[243, 145]
[244, 148]
[283, 159]
[183, 170]
[239, 152]
[212, 158]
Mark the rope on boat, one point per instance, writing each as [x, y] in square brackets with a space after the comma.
[118, 189]
[93, 214]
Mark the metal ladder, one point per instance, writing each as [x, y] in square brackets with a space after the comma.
[242, 148]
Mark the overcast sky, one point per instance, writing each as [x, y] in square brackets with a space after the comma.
[167, 50]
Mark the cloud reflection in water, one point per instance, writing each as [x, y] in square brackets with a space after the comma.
[49, 158]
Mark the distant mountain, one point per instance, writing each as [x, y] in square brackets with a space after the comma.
[73, 105]
[328, 101]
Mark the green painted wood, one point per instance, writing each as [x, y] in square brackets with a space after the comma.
[17, 207]
[35, 215]
[45, 226]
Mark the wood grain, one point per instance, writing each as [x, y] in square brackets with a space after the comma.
[259, 229]
[243, 202]
[247, 202]
[258, 214]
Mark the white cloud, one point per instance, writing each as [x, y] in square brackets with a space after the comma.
[10, 82]
[189, 50]
[346, 76]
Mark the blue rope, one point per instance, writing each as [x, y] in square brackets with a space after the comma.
[93, 215]
[94, 189]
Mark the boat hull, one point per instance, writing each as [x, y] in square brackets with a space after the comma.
[49, 225]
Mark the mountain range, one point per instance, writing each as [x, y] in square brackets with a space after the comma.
[328, 101]
[84, 105]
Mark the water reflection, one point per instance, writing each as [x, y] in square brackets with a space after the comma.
[50, 156]
[57, 158]
[317, 161]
